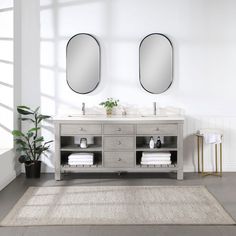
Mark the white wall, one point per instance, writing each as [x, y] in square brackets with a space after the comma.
[9, 88]
[203, 34]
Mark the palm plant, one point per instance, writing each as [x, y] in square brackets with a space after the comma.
[30, 144]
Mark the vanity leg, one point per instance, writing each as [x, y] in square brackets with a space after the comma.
[216, 158]
[198, 153]
[180, 174]
[57, 175]
[57, 153]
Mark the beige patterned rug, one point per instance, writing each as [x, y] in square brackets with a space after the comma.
[116, 205]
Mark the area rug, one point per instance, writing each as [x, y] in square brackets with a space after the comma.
[116, 205]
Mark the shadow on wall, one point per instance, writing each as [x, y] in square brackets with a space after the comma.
[59, 21]
[56, 30]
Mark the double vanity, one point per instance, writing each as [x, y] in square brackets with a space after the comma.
[118, 142]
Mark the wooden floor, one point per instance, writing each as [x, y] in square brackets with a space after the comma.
[224, 189]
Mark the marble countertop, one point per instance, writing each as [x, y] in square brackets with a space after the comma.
[99, 117]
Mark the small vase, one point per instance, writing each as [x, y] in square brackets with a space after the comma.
[109, 112]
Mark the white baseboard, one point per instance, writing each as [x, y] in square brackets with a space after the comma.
[227, 167]
[7, 180]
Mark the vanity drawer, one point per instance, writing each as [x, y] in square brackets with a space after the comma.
[118, 143]
[75, 129]
[156, 129]
[119, 159]
[119, 129]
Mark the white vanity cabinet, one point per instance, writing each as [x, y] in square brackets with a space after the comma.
[118, 143]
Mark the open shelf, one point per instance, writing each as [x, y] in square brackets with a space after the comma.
[169, 143]
[65, 165]
[172, 165]
[77, 148]
[69, 167]
[162, 149]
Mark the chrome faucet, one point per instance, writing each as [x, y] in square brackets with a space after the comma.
[83, 108]
[154, 108]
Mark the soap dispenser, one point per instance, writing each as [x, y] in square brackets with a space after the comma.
[158, 143]
[151, 143]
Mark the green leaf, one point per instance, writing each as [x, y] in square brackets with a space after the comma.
[17, 133]
[34, 129]
[39, 139]
[24, 119]
[36, 110]
[23, 158]
[24, 112]
[42, 117]
[109, 103]
[23, 107]
[48, 142]
[20, 149]
[20, 142]
[30, 134]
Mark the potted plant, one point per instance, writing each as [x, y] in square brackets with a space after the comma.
[109, 104]
[30, 144]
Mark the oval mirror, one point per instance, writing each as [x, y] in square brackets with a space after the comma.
[83, 63]
[155, 63]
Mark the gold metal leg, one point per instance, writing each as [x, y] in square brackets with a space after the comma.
[200, 150]
[216, 158]
[198, 153]
[202, 157]
[220, 159]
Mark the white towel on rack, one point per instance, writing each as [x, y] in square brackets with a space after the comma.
[211, 136]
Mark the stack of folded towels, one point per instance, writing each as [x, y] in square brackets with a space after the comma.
[156, 158]
[81, 159]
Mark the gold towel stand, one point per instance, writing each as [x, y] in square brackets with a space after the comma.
[200, 139]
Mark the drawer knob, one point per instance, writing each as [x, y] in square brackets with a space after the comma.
[157, 129]
[119, 142]
[119, 159]
[81, 129]
[119, 129]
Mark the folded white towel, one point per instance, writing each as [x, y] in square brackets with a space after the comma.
[80, 158]
[151, 154]
[81, 154]
[155, 162]
[155, 158]
[80, 162]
